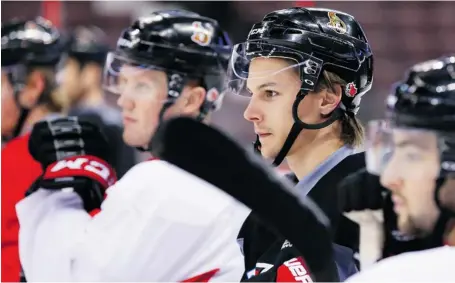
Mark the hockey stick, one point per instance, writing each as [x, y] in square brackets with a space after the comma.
[207, 153]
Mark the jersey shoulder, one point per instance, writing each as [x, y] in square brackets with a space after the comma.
[163, 182]
[17, 148]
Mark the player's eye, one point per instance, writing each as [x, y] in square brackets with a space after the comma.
[412, 156]
[142, 87]
[270, 93]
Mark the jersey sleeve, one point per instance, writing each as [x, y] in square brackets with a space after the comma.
[145, 231]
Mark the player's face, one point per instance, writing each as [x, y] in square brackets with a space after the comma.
[142, 95]
[10, 111]
[411, 175]
[70, 83]
[270, 107]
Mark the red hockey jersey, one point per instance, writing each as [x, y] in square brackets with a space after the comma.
[19, 171]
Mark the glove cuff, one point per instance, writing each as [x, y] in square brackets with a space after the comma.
[82, 166]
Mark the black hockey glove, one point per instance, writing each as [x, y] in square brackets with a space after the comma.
[360, 191]
[72, 154]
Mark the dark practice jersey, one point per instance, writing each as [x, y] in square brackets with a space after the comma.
[270, 257]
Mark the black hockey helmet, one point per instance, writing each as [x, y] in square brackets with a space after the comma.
[420, 110]
[88, 44]
[426, 97]
[316, 40]
[27, 44]
[183, 44]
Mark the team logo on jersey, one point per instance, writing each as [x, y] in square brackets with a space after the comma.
[351, 89]
[293, 270]
[336, 23]
[286, 244]
[202, 35]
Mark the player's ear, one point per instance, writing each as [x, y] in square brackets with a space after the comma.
[35, 86]
[330, 98]
[193, 99]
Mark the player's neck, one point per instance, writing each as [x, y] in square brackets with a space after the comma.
[92, 97]
[313, 151]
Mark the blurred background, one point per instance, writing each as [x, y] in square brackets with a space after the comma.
[400, 33]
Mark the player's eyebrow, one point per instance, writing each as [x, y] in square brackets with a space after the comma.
[415, 143]
[264, 85]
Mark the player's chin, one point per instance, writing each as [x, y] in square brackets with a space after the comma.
[405, 224]
[268, 152]
[133, 138]
[412, 225]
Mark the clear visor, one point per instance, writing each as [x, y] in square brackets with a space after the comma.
[126, 77]
[255, 65]
[404, 152]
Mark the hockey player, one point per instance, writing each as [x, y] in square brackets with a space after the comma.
[157, 223]
[362, 191]
[81, 83]
[413, 152]
[305, 71]
[31, 52]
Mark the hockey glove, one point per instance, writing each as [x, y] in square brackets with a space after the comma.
[72, 154]
[360, 191]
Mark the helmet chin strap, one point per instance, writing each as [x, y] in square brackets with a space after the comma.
[297, 127]
[165, 107]
[445, 213]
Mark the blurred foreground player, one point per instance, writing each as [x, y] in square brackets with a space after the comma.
[414, 153]
[81, 82]
[31, 52]
[158, 222]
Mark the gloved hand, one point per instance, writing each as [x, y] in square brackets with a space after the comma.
[360, 191]
[72, 154]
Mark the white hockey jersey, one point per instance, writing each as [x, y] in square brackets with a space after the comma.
[158, 223]
[433, 265]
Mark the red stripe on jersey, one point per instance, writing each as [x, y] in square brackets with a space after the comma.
[293, 270]
[204, 277]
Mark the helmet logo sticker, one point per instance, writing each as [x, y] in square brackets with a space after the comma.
[201, 35]
[257, 30]
[351, 89]
[336, 23]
